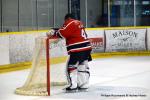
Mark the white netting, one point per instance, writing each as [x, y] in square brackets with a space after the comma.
[37, 81]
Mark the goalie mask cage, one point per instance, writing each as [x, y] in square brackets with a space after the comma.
[43, 75]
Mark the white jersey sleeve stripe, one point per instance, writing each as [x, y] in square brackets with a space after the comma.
[67, 25]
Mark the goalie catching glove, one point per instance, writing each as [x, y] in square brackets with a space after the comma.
[51, 33]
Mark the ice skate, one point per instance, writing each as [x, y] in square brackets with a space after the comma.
[71, 90]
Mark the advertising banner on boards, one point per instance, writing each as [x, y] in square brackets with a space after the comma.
[125, 40]
[97, 40]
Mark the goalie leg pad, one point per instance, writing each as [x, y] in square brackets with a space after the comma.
[72, 73]
[83, 75]
[72, 76]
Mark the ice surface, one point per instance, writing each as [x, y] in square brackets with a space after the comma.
[117, 78]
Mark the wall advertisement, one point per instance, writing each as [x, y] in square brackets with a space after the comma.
[125, 40]
[97, 40]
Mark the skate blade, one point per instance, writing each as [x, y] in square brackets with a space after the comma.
[71, 91]
[82, 90]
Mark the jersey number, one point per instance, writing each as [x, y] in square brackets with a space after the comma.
[83, 34]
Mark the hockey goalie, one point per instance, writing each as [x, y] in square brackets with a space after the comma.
[79, 50]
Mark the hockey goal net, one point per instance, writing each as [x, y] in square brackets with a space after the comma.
[44, 75]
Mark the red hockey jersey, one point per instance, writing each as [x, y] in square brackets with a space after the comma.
[75, 35]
